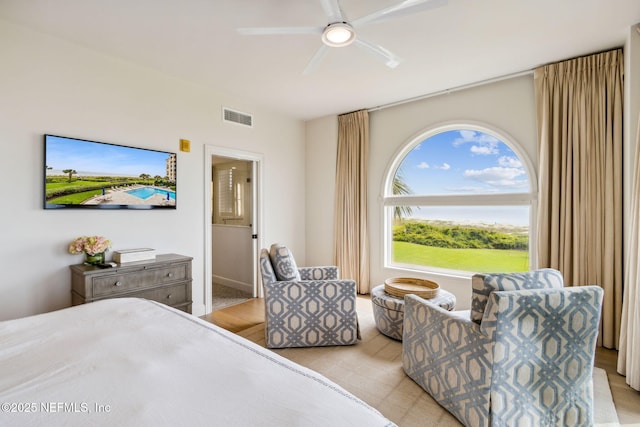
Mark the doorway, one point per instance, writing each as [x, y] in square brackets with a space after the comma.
[232, 187]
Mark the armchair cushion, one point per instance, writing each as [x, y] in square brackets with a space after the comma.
[283, 263]
[482, 285]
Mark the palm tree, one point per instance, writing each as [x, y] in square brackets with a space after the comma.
[401, 187]
[70, 172]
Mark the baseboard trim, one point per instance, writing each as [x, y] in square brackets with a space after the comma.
[241, 286]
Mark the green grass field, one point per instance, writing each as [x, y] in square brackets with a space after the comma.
[75, 198]
[76, 183]
[476, 260]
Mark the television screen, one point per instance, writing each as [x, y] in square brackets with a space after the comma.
[97, 175]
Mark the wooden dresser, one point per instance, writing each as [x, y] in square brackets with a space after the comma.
[167, 279]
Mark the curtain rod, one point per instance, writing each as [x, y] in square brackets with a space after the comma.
[451, 90]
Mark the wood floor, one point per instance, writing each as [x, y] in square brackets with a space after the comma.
[239, 317]
[627, 401]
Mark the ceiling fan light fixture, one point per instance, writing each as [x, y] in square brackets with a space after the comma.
[338, 34]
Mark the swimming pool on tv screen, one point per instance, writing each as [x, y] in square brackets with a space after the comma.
[145, 192]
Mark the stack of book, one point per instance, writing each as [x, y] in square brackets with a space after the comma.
[131, 255]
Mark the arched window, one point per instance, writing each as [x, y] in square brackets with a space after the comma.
[460, 198]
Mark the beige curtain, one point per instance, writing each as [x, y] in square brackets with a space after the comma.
[629, 354]
[579, 109]
[351, 237]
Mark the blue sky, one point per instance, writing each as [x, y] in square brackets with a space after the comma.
[103, 159]
[463, 162]
[466, 162]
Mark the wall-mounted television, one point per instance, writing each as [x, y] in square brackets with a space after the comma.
[97, 175]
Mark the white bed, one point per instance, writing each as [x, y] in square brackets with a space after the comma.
[132, 362]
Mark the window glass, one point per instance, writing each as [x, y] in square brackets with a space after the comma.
[463, 162]
[460, 200]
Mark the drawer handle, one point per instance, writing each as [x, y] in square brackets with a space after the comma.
[169, 296]
[169, 274]
[118, 283]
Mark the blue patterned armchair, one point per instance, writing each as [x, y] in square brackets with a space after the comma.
[524, 355]
[308, 306]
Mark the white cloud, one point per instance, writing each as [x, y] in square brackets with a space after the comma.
[495, 172]
[498, 176]
[483, 144]
[475, 137]
[509, 162]
[484, 150]
[467, 135]
[425, 165]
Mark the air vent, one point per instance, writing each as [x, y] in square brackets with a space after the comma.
[232, 116]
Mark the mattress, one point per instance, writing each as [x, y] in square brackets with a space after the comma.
[133, 362]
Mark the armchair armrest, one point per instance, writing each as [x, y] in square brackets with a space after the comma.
[449, 357]
[326, 272]
[310, 313]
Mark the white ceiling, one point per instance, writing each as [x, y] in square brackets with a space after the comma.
[464, 42]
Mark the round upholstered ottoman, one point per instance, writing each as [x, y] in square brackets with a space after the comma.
[388, 311]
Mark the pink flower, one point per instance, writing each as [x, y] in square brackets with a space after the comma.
[90, 245]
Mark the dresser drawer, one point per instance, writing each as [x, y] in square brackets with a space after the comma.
[170, 295]
[117, 283]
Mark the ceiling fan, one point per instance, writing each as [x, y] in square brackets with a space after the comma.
[340, 32]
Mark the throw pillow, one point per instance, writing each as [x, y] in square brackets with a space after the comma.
[483, 284]
[266, 269]
[283, 263]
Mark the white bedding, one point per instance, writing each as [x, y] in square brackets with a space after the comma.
[132, 362]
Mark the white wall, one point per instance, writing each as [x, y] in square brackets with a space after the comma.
[508, 106]
[50, 86]
[320, 168]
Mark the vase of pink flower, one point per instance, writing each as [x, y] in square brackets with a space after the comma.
[93, 248]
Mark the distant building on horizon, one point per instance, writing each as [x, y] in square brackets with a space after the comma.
[171, 167]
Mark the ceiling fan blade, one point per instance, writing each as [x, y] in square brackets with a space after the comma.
[333, 11]
[405, 7]
[316, 60]
[389, 58]
[274, 31]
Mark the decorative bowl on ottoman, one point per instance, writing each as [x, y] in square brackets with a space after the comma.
[401, 286]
